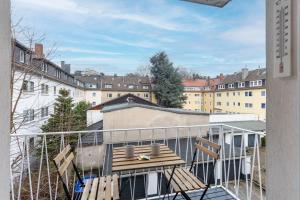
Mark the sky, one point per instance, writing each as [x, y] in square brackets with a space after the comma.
[118, 36]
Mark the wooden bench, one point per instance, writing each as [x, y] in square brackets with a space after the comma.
[183, 180]
[105, 187]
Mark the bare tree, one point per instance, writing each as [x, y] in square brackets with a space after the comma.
[143, 70]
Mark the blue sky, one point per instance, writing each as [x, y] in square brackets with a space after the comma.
[117, 36]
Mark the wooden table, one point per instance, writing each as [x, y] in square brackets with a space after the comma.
[167, 158]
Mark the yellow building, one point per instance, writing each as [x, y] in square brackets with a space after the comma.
[242, 92]
[200, 94]
[208, 101]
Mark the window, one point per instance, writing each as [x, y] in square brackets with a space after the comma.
[197, 102]
[227, 94]
[219, 94]
[197, 95]
[119, 94]
[233, 93]
[248, 105]
[22, 56]
[131, 86]
[94, 94]
[58, 73]
[108, 85]
[146, 95]
[109, 95]
[263, 106]
[241, 84]
[28, 86]
[54, 90]
[239, 104]
[233, 103]
[230, 85]
[44, 111]
[44, 88]
[94, 103]
[221, 86]
[145, 87]
[255, 83]
[219, 103]
[227, 103]
[263, 93]
[28, 115]
[248, 94]
[45, 67]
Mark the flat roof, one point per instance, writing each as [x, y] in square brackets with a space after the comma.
[132, 105]
[252, 125]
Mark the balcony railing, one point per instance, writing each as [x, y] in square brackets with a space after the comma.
[238, 172]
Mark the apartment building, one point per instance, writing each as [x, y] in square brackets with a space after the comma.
[193, 91]
[103, 88]
[242, 92]
[200, 93]
[36, 85]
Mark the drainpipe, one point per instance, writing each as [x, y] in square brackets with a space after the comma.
[5, 71]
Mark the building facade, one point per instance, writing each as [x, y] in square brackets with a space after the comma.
[101, 88]
[199, 94]
[243, 92]
[36, 85]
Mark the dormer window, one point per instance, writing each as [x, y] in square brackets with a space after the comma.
[108, 85]
[241, 84]
[230, 85]
[22, 56]
[221, 87]
[45, 67]
[256, 83]
[131, 86]
[145, 87]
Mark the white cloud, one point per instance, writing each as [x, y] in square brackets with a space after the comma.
[249, 33]
[143, 44]
[88, 51]
[58, 5]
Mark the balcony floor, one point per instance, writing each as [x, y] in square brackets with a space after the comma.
[216, 193]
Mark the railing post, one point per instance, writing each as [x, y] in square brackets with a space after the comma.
[5, 96]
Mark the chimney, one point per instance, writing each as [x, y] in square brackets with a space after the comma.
[65, 67]
[221, 77]
[244, 73]
[39, 50]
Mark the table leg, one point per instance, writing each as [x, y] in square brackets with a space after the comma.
[122, 188]
[169, 182]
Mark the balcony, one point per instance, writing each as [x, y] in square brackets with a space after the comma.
[238, 173]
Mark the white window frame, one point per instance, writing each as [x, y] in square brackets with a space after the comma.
[29, 86]
[241, 84]
[108, 86]
[221, 87]
[22, 56]
[44, 88]
[28, 115]
[145, 87]
[231, 85]
[44, 111]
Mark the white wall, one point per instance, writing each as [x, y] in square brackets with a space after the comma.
[36, 100]
[93, 96]
[283, 117]
[93, 116]
[5, 67]
[215, 118]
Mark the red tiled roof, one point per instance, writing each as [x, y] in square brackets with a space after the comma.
[194, 83]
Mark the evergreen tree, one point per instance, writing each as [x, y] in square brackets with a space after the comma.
[63, 117]
[80, 114]
[168, 87]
